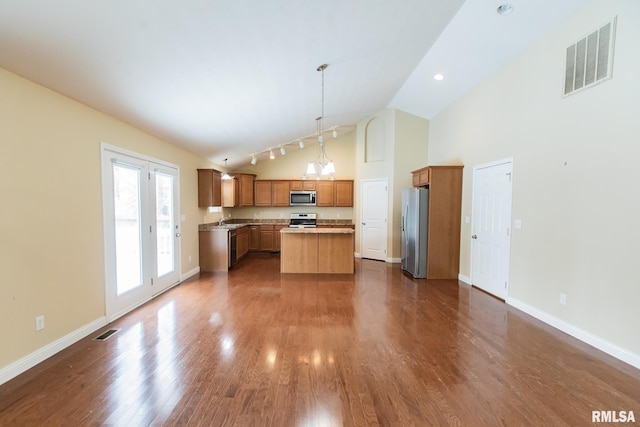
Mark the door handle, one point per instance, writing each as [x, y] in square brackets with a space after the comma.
[364, 223]
[178, 234]
[475, 236]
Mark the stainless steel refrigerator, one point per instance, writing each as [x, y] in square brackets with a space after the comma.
[415, 211]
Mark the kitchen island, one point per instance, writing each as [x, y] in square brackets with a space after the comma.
[317, 250]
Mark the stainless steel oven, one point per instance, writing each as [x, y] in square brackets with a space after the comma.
[302, 198]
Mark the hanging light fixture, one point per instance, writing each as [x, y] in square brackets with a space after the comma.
[225, 175]
[271, 155]
[253, 160]
[282, 150]
[322, 166]
[300, 144]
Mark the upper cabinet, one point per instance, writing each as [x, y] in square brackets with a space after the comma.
[421, 177]
[334, 193]
[238, 192]
[209, 188]
[262, 193]
[246, 189]
[230, 192]
[280, 193]
[301, 185]
[325, 193]
[343, 193]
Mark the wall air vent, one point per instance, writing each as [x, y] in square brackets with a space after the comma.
[590, 59]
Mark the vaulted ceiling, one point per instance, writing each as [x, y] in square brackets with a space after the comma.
[229, 78]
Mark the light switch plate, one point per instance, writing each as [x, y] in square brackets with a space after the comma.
[518, 223]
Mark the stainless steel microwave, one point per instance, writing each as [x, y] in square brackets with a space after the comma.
[302, 198]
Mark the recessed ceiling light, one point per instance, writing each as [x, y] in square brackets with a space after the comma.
[504, 9]
[438, 77]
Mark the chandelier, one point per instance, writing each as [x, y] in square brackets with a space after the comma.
[322, 166]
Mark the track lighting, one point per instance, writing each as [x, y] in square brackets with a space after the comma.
[271, 155]
[300, 144]
[282, 150]
[254, 160]
[335, 133]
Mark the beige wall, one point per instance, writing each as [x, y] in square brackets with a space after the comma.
[405, 150]
[292, 166]
[51, 230]
[575, 179]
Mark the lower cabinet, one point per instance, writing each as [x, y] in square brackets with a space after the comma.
[254, 237]
[264, 238]
[242, 242]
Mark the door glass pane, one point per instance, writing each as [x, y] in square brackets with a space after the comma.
[126, 189]
[164, 223]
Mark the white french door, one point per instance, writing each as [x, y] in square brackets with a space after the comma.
[491, 227]
[142, 245]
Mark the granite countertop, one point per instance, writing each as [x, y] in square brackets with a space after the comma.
[233, 224]
[317, 230]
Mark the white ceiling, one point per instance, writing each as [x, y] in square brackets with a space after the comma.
[228, 78]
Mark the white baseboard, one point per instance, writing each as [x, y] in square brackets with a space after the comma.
[394, 260]
[188, 274]
[597, 342]
[465, 279]
[357, 255]
[31, 360]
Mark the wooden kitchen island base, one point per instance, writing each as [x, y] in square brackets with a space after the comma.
[316, 250]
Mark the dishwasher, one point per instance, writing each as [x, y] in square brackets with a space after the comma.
[232, 247]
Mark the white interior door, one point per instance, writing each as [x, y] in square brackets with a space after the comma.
[373, 237]
[491, 225]
[142, 245]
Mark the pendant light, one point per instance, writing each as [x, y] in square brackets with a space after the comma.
[225, 175]
[322, 166]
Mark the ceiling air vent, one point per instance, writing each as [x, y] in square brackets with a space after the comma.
[590, 59]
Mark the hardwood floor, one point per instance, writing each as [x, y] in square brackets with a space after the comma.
[379, 348]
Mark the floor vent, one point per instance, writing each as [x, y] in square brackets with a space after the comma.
[590, 59]
[106, 335]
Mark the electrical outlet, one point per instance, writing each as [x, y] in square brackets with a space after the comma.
[563, 299]
[39, 323]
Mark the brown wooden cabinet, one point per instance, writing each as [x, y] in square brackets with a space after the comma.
[238, 191]
[325, 193]
[334, 193]
[267, 242]
[443, 228]
[343, 193]
[280, 193]
[277, 237]
[421, 176]
[302, 185]
[262, 193]
[230, 192]
[246, 189]
[209, 188]
[242, 242]
[254, 237]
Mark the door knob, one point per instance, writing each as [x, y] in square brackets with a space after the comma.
[475, 236]
[364, 223]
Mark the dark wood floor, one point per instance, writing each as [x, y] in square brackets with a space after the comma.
[379, 348]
